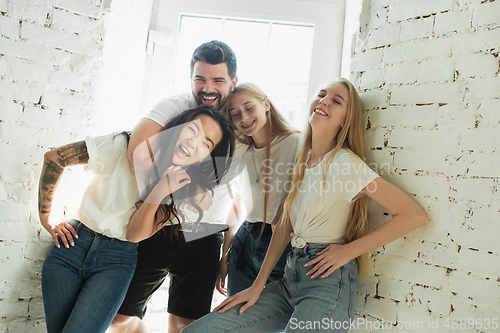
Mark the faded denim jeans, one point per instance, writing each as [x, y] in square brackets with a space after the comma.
[247, 254]
[295, 303]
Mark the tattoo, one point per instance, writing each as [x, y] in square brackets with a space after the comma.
[71, 154]
[51, 173]
[43, 209]
[74, 153]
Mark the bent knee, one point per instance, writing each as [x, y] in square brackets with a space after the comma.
[178, 323]
[120, 320]
[194, 328]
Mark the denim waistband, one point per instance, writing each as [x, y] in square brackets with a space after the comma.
[257, 226]
[309, 250]
[80, 226]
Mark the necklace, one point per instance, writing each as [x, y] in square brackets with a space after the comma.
[257, 172]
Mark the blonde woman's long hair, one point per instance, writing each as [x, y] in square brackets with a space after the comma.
[276, 125]
[349, 137]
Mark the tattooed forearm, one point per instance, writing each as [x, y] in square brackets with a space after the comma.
[45, 196]
[49, 178]
[50, 173]
[53, 167]
[74, 153]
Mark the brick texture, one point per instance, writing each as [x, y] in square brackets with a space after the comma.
[53, 54]
[427, 72]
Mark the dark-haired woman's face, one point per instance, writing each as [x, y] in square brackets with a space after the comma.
[197, 140]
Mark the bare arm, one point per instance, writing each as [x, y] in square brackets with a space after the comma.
[53, 166]
[277, 217]
[232, 219]
[407, 215]
[279, 241]
[143, 130]
[143, 224]
[224, 261]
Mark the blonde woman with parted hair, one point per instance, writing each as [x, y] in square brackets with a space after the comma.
[325, 218]
[270, 150]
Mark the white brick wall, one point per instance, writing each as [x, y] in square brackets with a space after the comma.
[428, 75]
[427, 72]
[52, 59]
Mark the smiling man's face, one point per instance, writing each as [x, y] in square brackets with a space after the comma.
[211, 84]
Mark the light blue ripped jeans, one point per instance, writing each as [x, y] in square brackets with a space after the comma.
[295, 303]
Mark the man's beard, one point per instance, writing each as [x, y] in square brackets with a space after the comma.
[220, 101]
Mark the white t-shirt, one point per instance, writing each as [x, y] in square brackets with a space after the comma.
[319, 220]
[283, 156]
[168, 108]
[110, 199]
[162, 113]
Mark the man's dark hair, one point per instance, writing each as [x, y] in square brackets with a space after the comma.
[215, 52]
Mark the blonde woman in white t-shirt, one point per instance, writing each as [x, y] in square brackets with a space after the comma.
[270, 146]
[325, 218]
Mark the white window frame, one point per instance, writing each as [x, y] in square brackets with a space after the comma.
[327, 17]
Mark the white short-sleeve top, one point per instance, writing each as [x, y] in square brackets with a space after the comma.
[283, 157]
[323, 220]
[168, 108]
[110, 199]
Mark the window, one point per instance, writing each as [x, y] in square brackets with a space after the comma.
[275, 56]
[287, 47]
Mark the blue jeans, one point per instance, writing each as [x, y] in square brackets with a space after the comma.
[84, 286]
[246, 257]
[296, 303]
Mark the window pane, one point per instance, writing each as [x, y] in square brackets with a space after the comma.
[251, 32]
[291, 50]
[275, 56]
[193, 32]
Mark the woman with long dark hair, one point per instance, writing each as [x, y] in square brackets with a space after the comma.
[84, 282]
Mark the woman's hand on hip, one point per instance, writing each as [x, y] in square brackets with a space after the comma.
[328, 260]
[65, 231]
